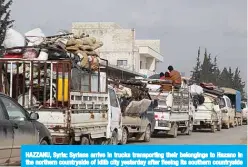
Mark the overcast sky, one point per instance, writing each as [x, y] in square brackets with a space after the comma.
[181, 25]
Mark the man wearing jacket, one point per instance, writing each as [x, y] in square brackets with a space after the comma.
[175, 77]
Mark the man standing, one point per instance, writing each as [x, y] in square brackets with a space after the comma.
[175, 77]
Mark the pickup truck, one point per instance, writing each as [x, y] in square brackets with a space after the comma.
[244, 108]
[73, 103]
[235, 98]
[227, 112]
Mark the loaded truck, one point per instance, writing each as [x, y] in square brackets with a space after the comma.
[227, 112]
[235, 98]
[74, 103]
[206, 102]
[173, 113]
[137, 112]
[244, 108]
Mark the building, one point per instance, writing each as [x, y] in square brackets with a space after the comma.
[121, 48]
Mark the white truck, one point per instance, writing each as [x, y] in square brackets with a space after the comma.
[227, 112]
[174, 112]
[208, 114]
[77, 106]
[244, 108]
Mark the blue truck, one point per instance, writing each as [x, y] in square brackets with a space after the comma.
[235, 97]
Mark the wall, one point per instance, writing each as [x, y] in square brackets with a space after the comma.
[154, 44]
[118, 43]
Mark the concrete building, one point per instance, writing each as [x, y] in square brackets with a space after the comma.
[121, 47]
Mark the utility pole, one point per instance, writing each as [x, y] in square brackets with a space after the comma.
[133, 45]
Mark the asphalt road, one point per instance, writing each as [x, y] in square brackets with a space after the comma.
[236, 135]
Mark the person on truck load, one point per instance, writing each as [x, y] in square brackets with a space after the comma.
[175, 77]
[167, 76]
[161, 75]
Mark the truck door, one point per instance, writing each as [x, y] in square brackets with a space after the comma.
[115, 110]
[24, 130]
[6, 137]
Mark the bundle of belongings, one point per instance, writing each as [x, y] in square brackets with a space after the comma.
[196, 92]
[80, 51]
[166, 85]
[134, 96]
[35, 46]
[212, 89]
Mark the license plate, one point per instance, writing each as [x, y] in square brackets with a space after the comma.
[162, 123]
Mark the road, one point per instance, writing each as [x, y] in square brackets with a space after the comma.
[237, 135]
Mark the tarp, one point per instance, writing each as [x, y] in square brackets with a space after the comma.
[137, 107]
[229, 91]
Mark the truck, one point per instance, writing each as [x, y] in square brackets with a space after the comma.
[137, 114]
[227, 113]
[173, 113]
[244, 108]
[75, 104]
[235, 98]
[208, 114]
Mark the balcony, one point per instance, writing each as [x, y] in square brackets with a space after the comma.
[149, 52]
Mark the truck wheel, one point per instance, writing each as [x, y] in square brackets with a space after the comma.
[213, 128]
[124, 136]
[175, 131]
[85, 141]
[44, 142]
[114, 138]
[147, 134]
[219, 127]
[227, 125]
[194, 128]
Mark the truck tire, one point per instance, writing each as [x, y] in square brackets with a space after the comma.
[114, 138]
[175, 132]
[85, 141]
[219, 127]
[147, 134]
[44, 142]
[213, 130]
[124, 136]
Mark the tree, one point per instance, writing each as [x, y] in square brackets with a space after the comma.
[237, 81]
[216, 74]
[224, 80]
[197, 69]
[5, 21]
[206, 73]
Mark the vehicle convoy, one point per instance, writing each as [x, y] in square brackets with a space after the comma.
[208, 113]
[72, 102]
[235, 99]
[244, 108]
[137, 111]
[227, 112]
[18, 127]
[173, 112]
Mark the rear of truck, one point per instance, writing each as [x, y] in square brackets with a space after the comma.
[72, 103]
[173, 112]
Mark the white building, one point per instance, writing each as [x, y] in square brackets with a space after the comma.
[121, 48]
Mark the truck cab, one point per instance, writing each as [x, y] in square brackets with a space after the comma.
[227, 112]
[244, 108]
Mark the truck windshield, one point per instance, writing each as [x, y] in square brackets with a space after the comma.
[222, 103]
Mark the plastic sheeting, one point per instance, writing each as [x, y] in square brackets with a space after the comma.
[137, 107]
[195, 89]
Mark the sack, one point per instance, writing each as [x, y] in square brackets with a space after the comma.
[35, 37]
[97, 45]
[86, 48]
[71, 42]
[83, 58]
[13, 39]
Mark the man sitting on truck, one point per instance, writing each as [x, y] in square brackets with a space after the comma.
[175, 77]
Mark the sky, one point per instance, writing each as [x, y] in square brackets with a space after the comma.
[182, 25]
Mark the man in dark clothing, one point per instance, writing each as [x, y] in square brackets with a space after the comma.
[175, 77]
[161, 75]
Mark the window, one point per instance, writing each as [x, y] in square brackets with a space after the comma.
[243, 105]
[113, 99]
[229, 103]
[222, 102]
[121, 62]
[14, 111]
